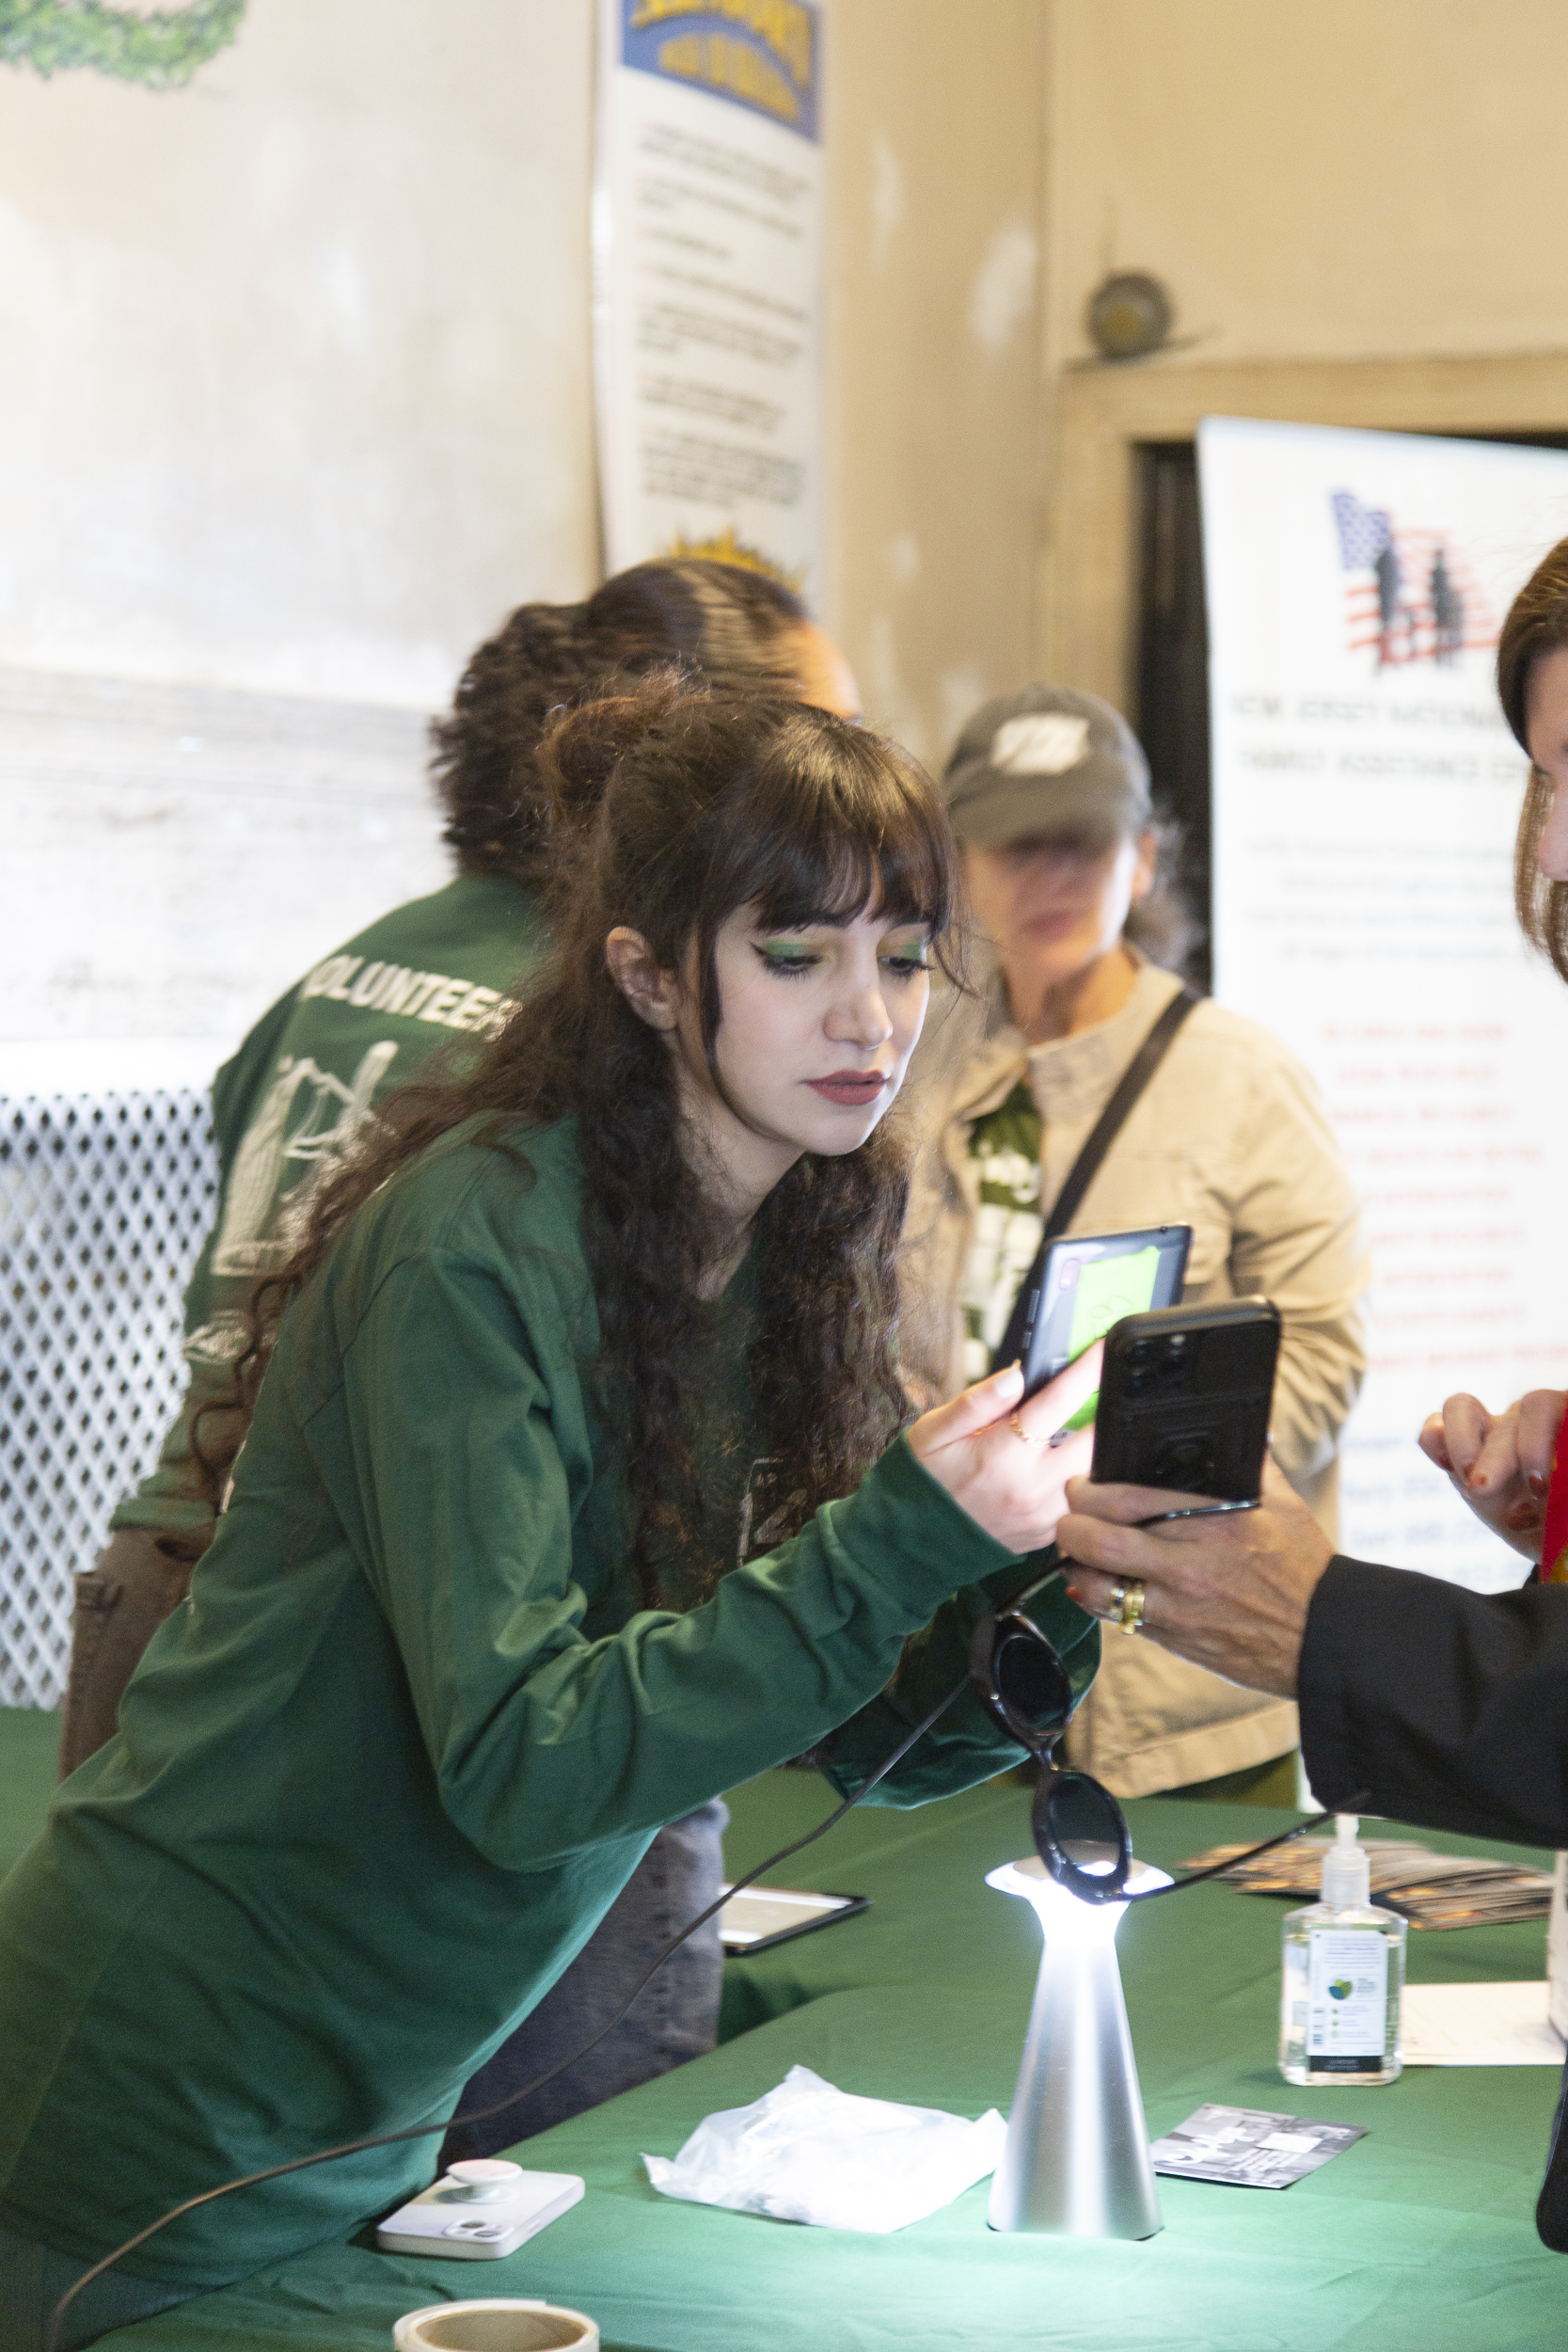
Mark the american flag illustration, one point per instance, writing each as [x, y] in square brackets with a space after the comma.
[1410, 594]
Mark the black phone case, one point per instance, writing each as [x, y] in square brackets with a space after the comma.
[1185, 1397]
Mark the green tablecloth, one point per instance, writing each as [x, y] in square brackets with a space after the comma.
[934, 1921]
[1420, 2238]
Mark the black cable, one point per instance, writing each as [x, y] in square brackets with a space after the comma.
[483, 2114]
[1217, 1870]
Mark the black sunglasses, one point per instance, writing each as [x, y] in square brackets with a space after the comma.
[1030, 1690]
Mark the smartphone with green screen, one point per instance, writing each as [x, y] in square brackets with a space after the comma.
[1089, 1282]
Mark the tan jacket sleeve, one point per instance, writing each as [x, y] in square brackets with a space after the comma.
[1296, 1238]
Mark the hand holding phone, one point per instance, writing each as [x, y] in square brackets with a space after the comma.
[971, 1446]
[1229, 1594]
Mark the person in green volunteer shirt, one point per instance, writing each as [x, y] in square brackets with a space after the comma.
[573, 1492]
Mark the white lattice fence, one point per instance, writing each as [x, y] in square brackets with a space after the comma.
[104, 1201]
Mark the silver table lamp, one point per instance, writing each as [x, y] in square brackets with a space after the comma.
[1076, 2163]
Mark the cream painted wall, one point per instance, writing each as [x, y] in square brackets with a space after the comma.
[1351, 203]
[935, 129]
[305, 402]
[1317, 178]
[297, 399]
[297, 387]
[296, 404]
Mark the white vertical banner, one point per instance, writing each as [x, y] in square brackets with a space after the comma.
[1366, 794]
[708, 231]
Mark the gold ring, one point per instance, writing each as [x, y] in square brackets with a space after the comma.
[1130, 1605]
[1041, 1445]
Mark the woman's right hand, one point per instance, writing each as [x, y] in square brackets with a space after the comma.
[1500, 1463]
[1015, 1488]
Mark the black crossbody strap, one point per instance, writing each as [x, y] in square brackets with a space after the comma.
[1085, 1168]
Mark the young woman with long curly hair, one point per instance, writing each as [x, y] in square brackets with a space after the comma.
[574, 1492]
[360, 1021]
[357, 1027]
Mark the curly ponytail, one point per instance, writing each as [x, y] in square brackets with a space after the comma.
[724, 623]
[484, 751]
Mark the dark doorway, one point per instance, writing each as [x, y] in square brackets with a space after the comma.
[1172, 676]
[1172, 713]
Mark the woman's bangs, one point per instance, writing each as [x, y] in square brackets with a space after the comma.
[855, 845]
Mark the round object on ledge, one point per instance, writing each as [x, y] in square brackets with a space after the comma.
[1130, 315]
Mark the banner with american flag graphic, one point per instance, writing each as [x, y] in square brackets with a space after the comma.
[1411, 594]
[1366, 796]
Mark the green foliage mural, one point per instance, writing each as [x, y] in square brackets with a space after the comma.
[161, 49]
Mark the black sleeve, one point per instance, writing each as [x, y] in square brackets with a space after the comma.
[1433, 1705]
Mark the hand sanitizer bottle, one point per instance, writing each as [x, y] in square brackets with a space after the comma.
[1344, 1975]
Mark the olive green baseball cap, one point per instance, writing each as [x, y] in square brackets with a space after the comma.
[1045, 760]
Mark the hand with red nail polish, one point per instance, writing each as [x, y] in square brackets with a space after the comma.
[1499, 1464]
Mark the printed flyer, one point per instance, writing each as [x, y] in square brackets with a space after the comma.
[708, 282]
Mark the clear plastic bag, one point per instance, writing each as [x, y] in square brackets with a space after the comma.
[809, 2153]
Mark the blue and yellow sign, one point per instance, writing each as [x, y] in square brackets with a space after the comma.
[761, 53]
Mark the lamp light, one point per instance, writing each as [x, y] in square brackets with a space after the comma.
[1076, 2163]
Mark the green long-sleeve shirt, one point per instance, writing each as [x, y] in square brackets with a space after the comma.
[379, 1779]
[292, 1097]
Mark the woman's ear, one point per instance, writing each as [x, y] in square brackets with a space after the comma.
[654, 995]
[1148, 865]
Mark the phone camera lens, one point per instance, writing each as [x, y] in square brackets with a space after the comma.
[1187, 1462]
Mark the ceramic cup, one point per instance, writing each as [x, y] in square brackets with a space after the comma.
[494, 2322]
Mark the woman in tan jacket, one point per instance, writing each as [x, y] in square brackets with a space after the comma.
[1049, 794]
